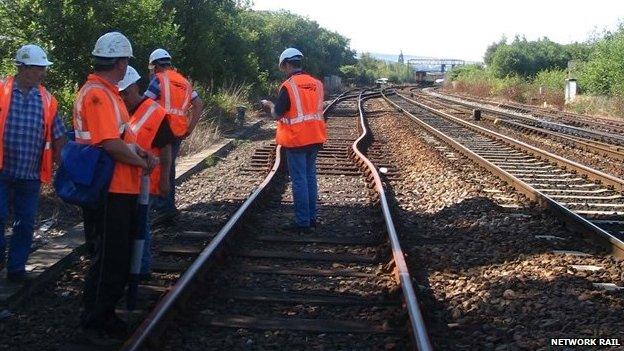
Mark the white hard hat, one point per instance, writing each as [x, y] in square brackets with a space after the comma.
[288, 54]
[112, 45]
[131, 77]
[159, 54]
[32, 55]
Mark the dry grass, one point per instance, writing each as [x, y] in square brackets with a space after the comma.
[481, 89]
[206, 133]
[522, 93]
[599, 105]
[223, 104]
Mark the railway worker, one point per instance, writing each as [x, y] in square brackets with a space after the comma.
[32, 136]
[301, 132]
[148, 121]
[183, 106]
[100, 119]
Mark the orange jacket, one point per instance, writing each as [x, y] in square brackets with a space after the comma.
[302, 124]
[175, 97]
[49, 104]
[100, 114]
[145, 122]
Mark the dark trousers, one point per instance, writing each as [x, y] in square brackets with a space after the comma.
[107, 277]
[93, 222]
[167, 204]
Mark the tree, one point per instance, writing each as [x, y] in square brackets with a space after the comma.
[489, 52]
[603, 73]
[144, 22]
[526, 58]
[214, 42]
[272, 32]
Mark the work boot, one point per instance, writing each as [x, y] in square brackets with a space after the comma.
[296, 229]
[313, 225]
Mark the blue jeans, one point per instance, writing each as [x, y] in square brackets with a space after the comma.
[23, 196]
[167, 204]
[302, 171]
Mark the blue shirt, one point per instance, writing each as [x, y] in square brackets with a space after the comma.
[153, 90]
[24, 137]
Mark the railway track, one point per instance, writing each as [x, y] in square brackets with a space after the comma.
[344, 286]
[608, 138]
[613, 152]
[607, 125]
[500, 271]
[588, 200]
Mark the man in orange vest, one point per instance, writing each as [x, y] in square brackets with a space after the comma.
[149, 122]
[101, 119]
[301, 132]
[183, 106]
[32, 135]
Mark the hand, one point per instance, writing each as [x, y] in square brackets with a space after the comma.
[151, 161]
[138, 150]
[267, 105]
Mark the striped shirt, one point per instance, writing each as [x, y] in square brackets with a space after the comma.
[153, 90]
[24, 137]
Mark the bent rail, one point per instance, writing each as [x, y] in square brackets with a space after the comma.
[165, 306]
[418, 330]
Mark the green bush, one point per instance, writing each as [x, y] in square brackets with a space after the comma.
[472, 79]
[603, 73]
[66, 96]
[479, 81]
[513, 88]
[526, 58]
[551, 79]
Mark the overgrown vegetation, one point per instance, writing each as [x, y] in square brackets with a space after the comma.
[603, 71]
[547, 86]
[220, 44]
[527, 58]
[368, 69]
[535, 72]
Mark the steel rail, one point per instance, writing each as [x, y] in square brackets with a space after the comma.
[595, 134]
[615, 182]
[573, 220]
[418, 329]
[597, 147]
[536, 110]
[151, 323]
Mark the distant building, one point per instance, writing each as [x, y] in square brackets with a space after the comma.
[401, 59]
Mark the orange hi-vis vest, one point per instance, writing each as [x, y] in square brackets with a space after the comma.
[145, 122]
[100, 114]
[303, 123]
[175, 98]
[49, 105]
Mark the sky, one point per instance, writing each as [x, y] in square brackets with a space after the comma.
[453, 28]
